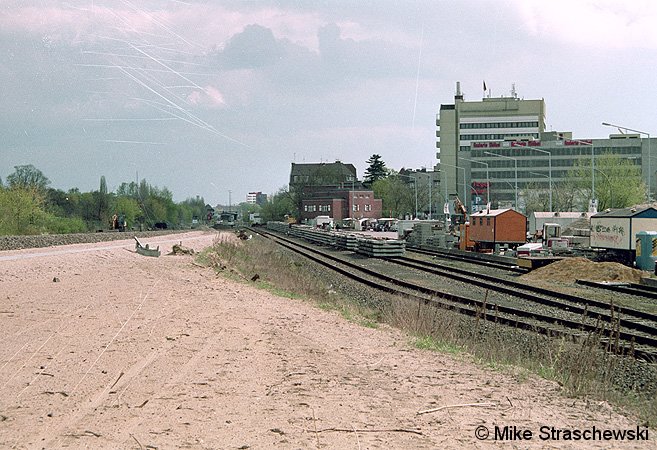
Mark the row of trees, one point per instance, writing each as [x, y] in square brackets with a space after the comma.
[29, 206]
[618, 185]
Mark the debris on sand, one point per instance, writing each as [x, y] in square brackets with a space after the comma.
[243, 236]
[179, 249]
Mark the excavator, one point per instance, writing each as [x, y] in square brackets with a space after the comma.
[459, 214]
[459, 226]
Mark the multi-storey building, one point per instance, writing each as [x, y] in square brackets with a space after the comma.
[429, 197]
[317, 174]
[256, 198]
[490, 120]
[512, 166]
[332, 189]
[493, 149]
[339, 203]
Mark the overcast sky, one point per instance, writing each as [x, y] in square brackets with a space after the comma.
[209, 96]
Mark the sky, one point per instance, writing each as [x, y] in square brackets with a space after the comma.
[217, 98]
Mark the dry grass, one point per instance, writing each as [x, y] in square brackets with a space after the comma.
[582, 367]
[283, 273]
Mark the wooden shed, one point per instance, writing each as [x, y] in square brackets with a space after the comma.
[498, 226]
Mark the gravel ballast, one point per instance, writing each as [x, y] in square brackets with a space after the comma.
[51, 240]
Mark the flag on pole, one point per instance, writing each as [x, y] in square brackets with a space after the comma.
[484, 86]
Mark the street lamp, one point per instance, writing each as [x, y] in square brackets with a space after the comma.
[504, 181]
[430, 193]
[415, 185]
[549, 169]
[592, 167]
[465, 192]
[515, 160]
[487, 176]
[649, 155]
[543, 175]
[611, 191]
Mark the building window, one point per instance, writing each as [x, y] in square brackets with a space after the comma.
[488, 221]
[368, 207]
[356, 208]
[481, 221]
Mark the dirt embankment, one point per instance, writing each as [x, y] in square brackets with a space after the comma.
[127, 351]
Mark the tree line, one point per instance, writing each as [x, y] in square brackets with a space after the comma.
[28, 205]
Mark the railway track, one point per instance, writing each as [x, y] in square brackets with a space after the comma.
[637, 320]
[624, 288]
[509, 266]
[549, 315]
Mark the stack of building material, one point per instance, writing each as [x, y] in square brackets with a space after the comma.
[323, 237]
[422, 231]
[315, 236]
[381, 248]
[578, 233]
[440, 241]
[279, 227]
[582, 226]
[298, 230]
[347, 241]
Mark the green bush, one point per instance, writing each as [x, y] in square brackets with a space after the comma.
[62, 225]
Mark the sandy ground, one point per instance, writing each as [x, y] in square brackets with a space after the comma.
[126, 351]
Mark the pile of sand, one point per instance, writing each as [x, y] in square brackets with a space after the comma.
[570, 269]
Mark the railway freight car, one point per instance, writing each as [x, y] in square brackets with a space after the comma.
[614, 230]
[496, 227]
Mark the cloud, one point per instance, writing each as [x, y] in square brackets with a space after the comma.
[338, 63]
[254, 47]
[210, 96]
[602, 24]
[323, 79]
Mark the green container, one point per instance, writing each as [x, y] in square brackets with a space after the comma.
[646, 250]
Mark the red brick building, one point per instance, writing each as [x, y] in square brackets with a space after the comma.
[339, 203]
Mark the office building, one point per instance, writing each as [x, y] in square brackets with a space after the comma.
[490, 120]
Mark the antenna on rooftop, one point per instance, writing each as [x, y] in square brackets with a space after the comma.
[514, 94]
